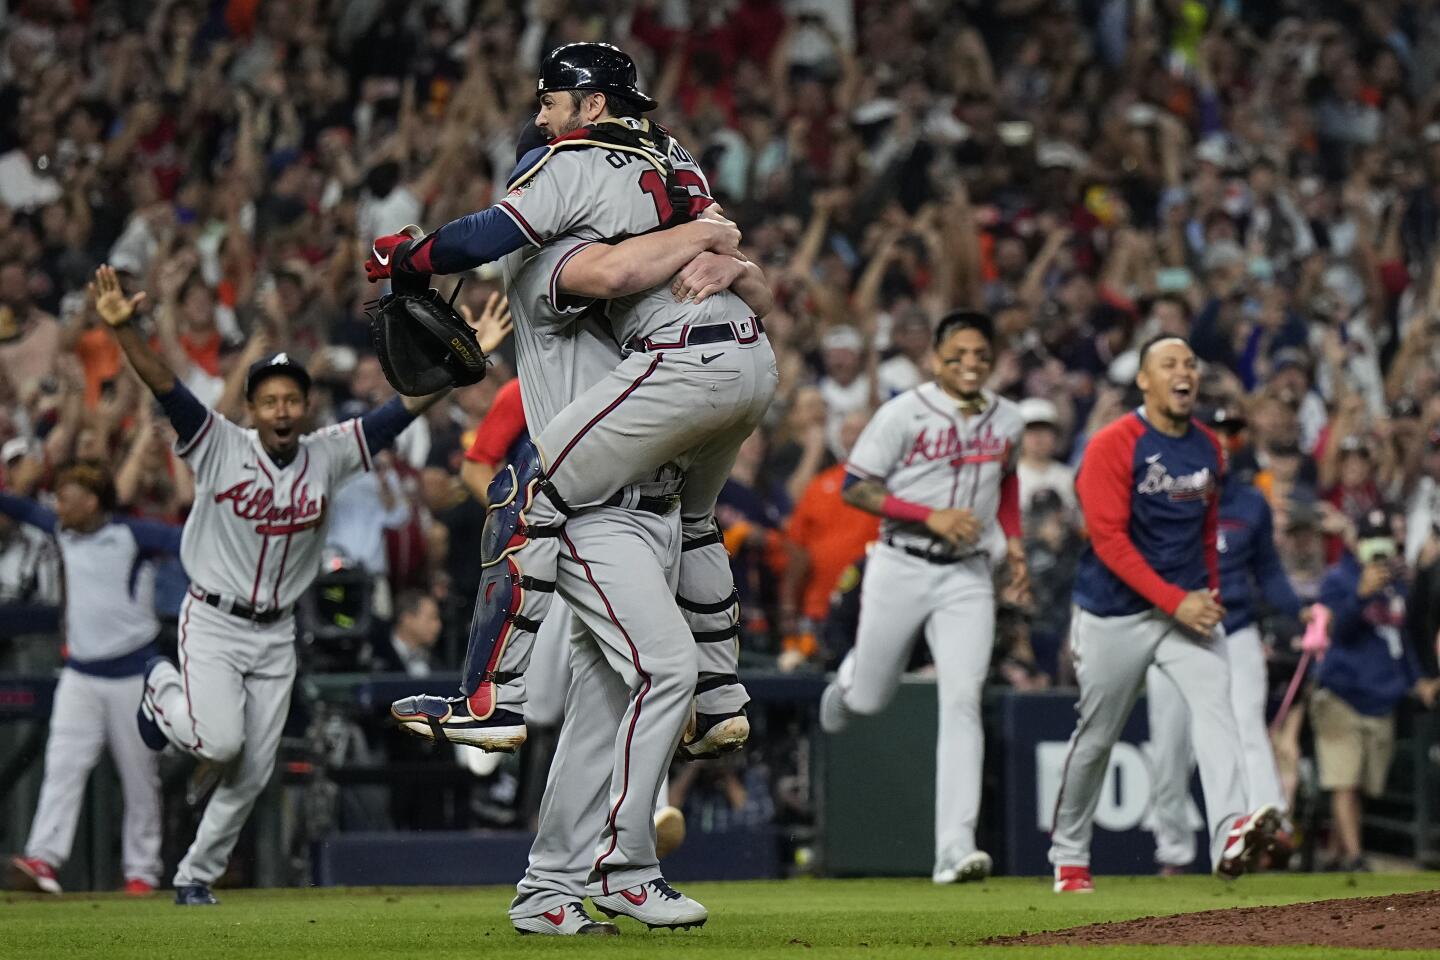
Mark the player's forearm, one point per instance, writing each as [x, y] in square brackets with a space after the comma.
[867, 495]
[153, 371]
[754, 290]
[1122, 558]
[27, 511]
[606, 271]
[418, 405]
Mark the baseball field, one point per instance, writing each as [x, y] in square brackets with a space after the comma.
[839, 918]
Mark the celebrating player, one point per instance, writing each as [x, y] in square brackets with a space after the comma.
[1147, 592]
[1249, 571]
[110, 629]
[251, 546]
[608, 173]
[604, 438]
[938, 464]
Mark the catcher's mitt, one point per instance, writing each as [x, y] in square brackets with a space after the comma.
[423, 344]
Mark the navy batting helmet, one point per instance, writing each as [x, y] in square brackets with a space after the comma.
[602, 67]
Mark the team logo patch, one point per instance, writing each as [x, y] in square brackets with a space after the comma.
[1186, 487]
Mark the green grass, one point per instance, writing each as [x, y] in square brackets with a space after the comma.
[792, 919]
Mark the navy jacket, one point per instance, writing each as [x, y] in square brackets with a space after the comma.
[1250, 569]
[1370, 664]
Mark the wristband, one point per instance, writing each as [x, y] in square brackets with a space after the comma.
[896, 509]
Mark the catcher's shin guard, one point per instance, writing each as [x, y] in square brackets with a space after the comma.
[518, 555]
[519, 551]
[710, 604]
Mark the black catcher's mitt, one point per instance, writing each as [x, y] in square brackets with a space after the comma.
[423, 344]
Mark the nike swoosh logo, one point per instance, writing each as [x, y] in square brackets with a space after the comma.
[556, 916]
[1153, 458]
[383, 261]
[713, 356]
[644, 894]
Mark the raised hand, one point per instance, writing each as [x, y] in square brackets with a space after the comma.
[110, 301]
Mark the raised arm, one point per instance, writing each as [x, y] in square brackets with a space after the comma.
[116, 310]
[27, 511]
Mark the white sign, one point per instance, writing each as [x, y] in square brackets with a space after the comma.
[1124, 797]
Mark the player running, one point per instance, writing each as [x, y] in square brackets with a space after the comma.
[251, 546]
[1147, 592]
[938, 463]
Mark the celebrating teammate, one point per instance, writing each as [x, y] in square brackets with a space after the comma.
[607, 173]
[251, 546]
[1249, 571]
[610, 444]
[1147, 592]
[110, 629]
[938, 464]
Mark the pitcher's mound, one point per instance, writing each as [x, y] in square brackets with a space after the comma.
[1397, 922]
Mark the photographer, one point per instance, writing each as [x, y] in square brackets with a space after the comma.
[1367, 672]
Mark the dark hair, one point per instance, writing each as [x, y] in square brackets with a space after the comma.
[1158, 338]
[957, 320]
[409, 602]
[94, 476]
[618, 104]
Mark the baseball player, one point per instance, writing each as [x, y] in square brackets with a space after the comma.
[1147, 592]
[110, 628]
[251, 545]
[938, 464]
[606, 174]
[1250, 570]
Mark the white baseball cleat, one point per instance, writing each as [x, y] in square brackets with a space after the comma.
[449, 720]
[669, 831]
[654, 903]
[566, 920]
[834, 715]
[1247, 841]
[973, 867]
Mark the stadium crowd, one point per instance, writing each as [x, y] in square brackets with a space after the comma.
[1262, 178]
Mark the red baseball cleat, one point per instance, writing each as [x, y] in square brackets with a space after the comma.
[32, 873]
[135, 887]
[1247, 840]
[1073, 880]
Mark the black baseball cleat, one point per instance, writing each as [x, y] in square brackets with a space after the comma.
[448, 719]
[711, 735]
[195, 895]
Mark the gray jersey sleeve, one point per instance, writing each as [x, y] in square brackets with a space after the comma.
[213, 448]
[881, 444]
[552, 202]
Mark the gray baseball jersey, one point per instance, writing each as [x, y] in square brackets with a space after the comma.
[257, 531]
[604, 195]
[923, 450]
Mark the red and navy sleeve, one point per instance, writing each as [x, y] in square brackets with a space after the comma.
[1105, 486]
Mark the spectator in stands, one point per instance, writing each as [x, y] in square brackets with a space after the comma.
[1369, 669]
[412, 641]
[1038, 468]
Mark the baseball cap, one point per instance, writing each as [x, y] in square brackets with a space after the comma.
[1037, 410]
[843, 338]
[1290, 357]
[275, 365]
[1227, 418]
[14, 449]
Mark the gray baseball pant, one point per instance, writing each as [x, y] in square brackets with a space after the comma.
[71, 753]
[1172, 756]
[1112, 655]
[632, 678]
[226, 704]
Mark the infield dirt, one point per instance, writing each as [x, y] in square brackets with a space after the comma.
[1408, 921]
